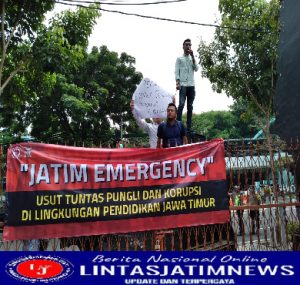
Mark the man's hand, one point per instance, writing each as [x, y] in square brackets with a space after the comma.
[132, 105]
[192, 55]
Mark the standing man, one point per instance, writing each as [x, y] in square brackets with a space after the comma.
[237, 200]
[184, 74]
[171, 133]
[149, 128]
[254, 214]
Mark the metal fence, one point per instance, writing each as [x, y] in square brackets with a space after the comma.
[273, 224]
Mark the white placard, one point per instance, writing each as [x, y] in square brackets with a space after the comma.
[150, 100]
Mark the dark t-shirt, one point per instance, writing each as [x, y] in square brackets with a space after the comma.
[172, 135]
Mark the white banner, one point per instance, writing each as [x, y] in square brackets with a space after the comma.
[150, 100]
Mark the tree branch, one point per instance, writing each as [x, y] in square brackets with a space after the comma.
[5, 46]
[253, 98]
[272, 89]
[3, 42]
[10, 77]
[18, 18]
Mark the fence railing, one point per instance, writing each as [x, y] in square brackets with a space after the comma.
[271, 224]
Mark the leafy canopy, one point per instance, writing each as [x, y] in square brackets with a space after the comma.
[240, 61]
[68, 94]
[20, 21]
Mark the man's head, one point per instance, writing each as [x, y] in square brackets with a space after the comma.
[187, 44]
[251, 190]
[157, 120]
[171, 111]
[236, 189]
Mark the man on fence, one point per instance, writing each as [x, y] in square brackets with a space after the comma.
[169, 134]
[184, 74]
[254, 214]
[237, 199]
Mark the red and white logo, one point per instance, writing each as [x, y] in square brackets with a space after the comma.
[39, 268]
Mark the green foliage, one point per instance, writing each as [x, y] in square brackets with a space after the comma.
[53, 53]
[224, 124]
[24, 18]
[214, 124]
[67, 94]
[20, 21]
[77, 27]
[241, 60]
[245, 123]
[111, 77]
[109, 81]
[293, 228]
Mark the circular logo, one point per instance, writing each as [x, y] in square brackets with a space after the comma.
[39, 268]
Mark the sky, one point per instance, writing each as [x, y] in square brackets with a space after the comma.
[156, 44]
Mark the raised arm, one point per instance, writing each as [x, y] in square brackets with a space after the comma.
[195, 65]
[140, 122]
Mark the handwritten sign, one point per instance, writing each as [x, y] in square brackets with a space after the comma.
[150, 100]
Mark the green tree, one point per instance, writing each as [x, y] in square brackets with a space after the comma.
[55, 56]
[241, 59]
[59, 52]
[83, 105]
[216, 124]
[109, 80]
[245, 123]
[68, 94]
[20, 20]
[237, 123]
